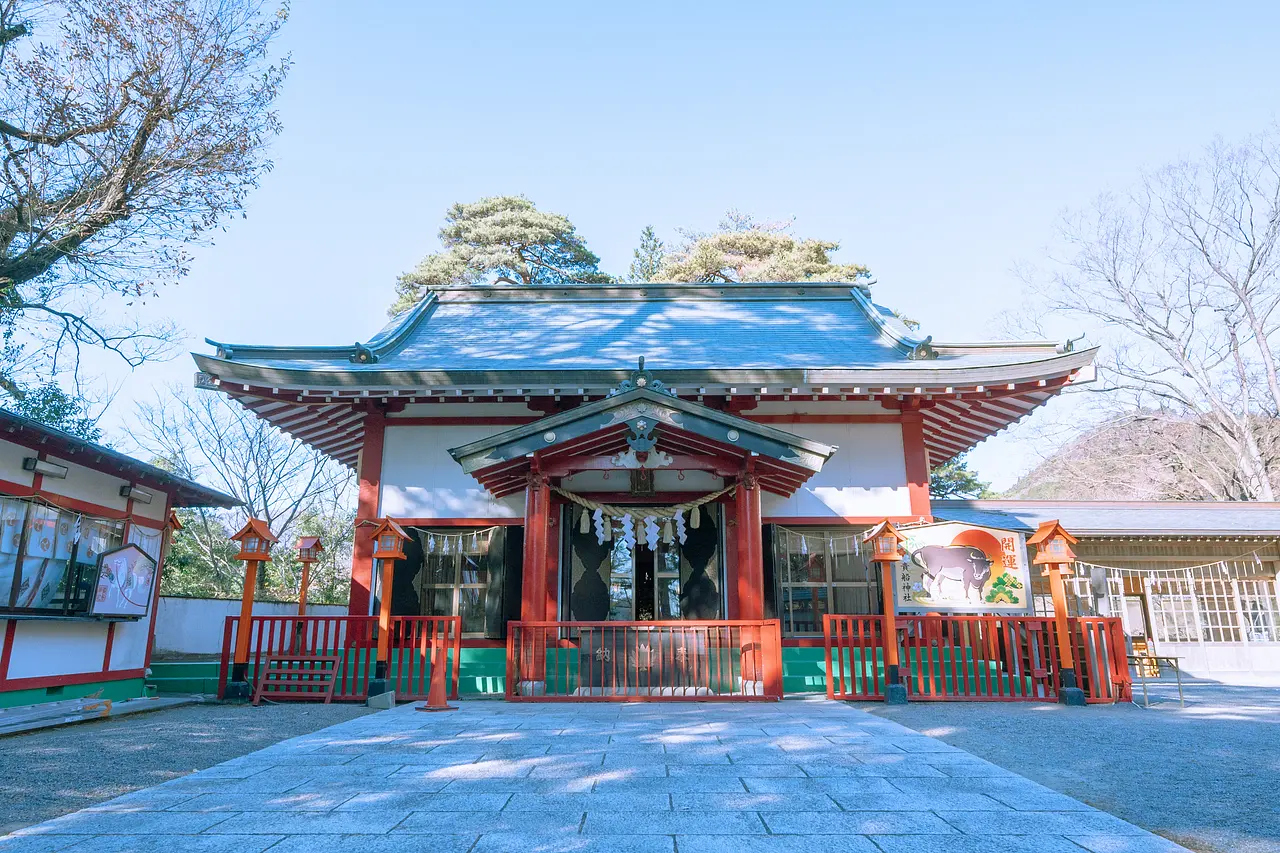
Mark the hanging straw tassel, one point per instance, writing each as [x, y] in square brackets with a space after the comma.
[584, 522]
[608, 528]
[695, 517]
[668, 535]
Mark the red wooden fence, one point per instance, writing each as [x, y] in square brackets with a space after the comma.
[975, 658]
[354, 639]
[630, 661]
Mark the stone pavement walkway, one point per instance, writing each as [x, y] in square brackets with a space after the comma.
[801, 775]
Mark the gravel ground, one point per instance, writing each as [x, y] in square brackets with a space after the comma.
[55, 771]
[1206, 776]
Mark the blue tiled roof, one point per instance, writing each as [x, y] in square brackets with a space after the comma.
[1111, 518]
[772, 327]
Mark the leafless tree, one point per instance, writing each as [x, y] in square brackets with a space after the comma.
[128, 129]
[1181, 277]
[205, 437]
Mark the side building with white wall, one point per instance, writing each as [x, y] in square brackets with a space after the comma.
[83, 535]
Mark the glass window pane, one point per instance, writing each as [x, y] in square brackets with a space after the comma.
[852, 599]
[50, 536]
[804, 607]
[474, 569]
[849, 567]
[667, 598]
[437, 602]
[13, 518]
[621, 581]
[439, 568]
[471, 603]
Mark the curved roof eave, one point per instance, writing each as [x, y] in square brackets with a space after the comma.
[911, 373]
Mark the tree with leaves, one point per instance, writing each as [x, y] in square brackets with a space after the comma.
[954, 479]
[647, 258]
[744, 250]
[128, 129]
[502, 240]
[52, 406]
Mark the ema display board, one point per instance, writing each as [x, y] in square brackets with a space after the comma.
[126, 577]
[953, 567]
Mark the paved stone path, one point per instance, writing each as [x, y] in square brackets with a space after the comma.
[801, 775]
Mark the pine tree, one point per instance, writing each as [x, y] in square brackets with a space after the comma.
[648, 257]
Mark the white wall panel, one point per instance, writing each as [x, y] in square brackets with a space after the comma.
[57, 647]
[421, 480]
[195, 625]
[866, 477]
[129, 645]
[87, 485]
[11, 456]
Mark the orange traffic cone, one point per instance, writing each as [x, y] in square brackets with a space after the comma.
[436, 698]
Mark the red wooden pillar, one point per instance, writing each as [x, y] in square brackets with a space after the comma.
[917, 459]
[537, 517]
[366, 511]
[750, 549]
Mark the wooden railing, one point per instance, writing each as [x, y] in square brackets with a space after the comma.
[975, 658]
[645, 661]
[354, 640]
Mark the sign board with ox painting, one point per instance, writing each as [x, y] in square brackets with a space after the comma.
[126, 577]
[952, 567]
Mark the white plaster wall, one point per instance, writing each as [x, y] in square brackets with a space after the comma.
[1224, 661]
[421, 480]
[866, 477]
[157, 509]
[194, 626]
[11, 456]
[88, 485]
[129, 645]
[57, 647]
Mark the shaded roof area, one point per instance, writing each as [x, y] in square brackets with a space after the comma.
[1121, 518]
[186, 493]
[651, 422]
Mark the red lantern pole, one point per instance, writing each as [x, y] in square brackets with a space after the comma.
[389, 539]
[255, 540]
[886, 542]
[1053, 551]
[239, 671]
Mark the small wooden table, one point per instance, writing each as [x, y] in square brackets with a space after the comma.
[1137, 661]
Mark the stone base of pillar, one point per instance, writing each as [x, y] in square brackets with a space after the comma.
[238, 691]
[895, 692]
[1070, 694]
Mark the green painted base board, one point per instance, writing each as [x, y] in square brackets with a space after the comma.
[483, 672]
[126, 688]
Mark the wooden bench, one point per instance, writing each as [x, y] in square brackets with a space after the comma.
[297, 678]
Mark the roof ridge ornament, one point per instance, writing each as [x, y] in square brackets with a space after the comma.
[362, 355]
[642, 378]
[923, 351]
[1069, 345]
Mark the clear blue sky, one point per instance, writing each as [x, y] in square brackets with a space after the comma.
[936, 141]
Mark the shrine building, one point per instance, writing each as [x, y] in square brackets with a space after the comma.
[719, 433]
